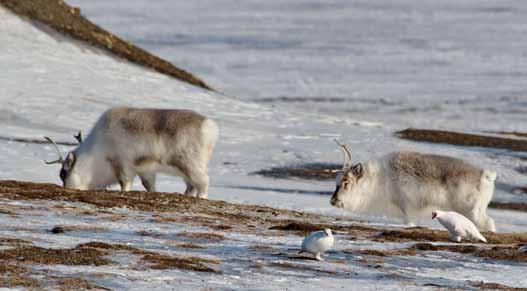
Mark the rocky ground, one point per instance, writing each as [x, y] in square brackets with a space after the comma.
[191, 230]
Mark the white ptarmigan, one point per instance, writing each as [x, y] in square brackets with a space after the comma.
[458, 226]
[318, 242]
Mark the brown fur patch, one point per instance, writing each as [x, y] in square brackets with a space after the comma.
[138, 121]
[144, 160]
[427, 167]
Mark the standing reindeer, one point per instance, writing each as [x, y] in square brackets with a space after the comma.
[410, 183]
[126, 142]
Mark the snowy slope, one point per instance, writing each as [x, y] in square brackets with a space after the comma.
[460, 62]
[61, 87]
[447, 65]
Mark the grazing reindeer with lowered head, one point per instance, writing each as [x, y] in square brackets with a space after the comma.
[411, 183]
[126, 142]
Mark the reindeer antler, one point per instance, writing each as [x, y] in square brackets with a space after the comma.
[78, 137]
[61, 159]
[347, 155]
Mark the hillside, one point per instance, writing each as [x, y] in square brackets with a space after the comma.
[69, 21]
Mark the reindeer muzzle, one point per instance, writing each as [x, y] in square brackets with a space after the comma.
[335, 201]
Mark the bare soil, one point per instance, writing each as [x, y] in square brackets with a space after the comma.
[69, 21]
[239, 218]
[18, 255]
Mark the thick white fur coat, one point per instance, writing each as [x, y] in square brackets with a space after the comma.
[126, 142]
[408, 183]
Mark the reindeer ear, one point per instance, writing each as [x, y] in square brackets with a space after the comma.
[78, 137]
[358, 171]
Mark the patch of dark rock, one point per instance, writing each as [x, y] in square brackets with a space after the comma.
[310, 171]
[509, 206]
[462, 139]
[149, 233]
[521, 170]
[57, 230]
[519, 190]
[190, 246]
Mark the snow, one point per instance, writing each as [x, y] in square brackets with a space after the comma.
[383, 67]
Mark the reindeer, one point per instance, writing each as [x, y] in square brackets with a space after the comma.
[126, 142]
[408, 183]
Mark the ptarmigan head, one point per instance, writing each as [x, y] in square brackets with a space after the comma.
[327, 231]
[436, 213]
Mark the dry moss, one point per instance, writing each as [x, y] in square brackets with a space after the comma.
[385, 253]
[463, 139]
[38, 255]
[509, 253]
[424, 234]
[303, 228]
[159, 261]
[201, 236]
[509, 206]
[67, 20]
[19, 281]
[76, 284]
[495, 286]
[11, 268]
[13, 241]
[313, 171]
[156, 260]
[503, 253]
[421, 234]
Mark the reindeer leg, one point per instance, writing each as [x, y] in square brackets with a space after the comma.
[126, 184]
[199, 182]
[149, 181]
[190, 190]
[125, 179]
